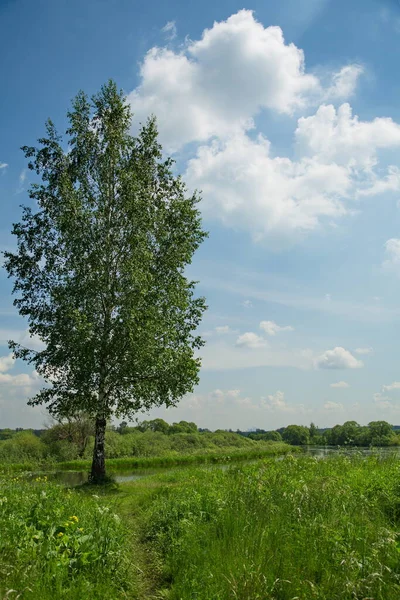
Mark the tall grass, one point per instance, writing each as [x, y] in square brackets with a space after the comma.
[57, 543]
[297, 529]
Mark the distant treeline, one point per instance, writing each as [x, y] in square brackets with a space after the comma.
[73, 439]
[351, 433]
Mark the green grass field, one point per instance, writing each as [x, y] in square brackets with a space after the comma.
[296, 528]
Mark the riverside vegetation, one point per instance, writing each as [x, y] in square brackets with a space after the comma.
[273, 530]
[69, 445]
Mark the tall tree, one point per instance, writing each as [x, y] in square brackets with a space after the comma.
[100, 268]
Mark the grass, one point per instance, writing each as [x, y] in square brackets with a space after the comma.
[59, 543]
[294, 529]
[172, 459]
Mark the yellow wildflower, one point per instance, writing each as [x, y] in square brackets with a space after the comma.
[60, 534]
[74, 518]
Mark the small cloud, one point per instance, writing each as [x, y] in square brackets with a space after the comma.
[247, 304]
[277, 402]
[338, 358]
[3, 166]
[392, 386]
[392, 251]
[364, 350]
[245, 402]
[272, 328]
[382, 401]
[339, 384]
[22, 178]
[33, 342]
[22, 379]
[344, 82]
[250, 340]
[170, 30]
[222, 330]
[6, 363]
[333, 406]
[221, 395]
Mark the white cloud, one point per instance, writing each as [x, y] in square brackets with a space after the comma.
[33, 342]
[333, 406]
[217, 84]
[220, 330]
[3, 166]
[382, 401]
[223, 329]
[247, 304]
[392, 251]
[390, 183]
[392, 386]
[277, 403]
[244, 187]
[221, 395]
[336, 136]
[338, 358]
[250, 340]
[271, 328]
[221, 355]
[6, 363]
[364, 350]
[339, 384]
[22, 179]
[246, 403]
[22, 379]
[344, 82]
[170, 30]
[211, 401]
[210, 92]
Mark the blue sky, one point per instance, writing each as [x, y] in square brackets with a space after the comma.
[287, 116]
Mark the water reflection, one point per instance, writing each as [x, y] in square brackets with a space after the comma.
[324, 451]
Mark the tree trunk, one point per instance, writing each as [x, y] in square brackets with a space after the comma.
[98, 472]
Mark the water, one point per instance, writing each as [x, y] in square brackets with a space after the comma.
[324, 451]
[74, 478]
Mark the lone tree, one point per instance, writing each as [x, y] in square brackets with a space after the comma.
[100, 269]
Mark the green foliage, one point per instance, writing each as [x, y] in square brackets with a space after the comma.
[298, 528]
[23, 446]
[100, 268]
[57, 543]
[297, 435]
[271, 436]
[377, 433]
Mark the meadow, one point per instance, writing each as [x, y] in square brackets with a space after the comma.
[295, 528]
